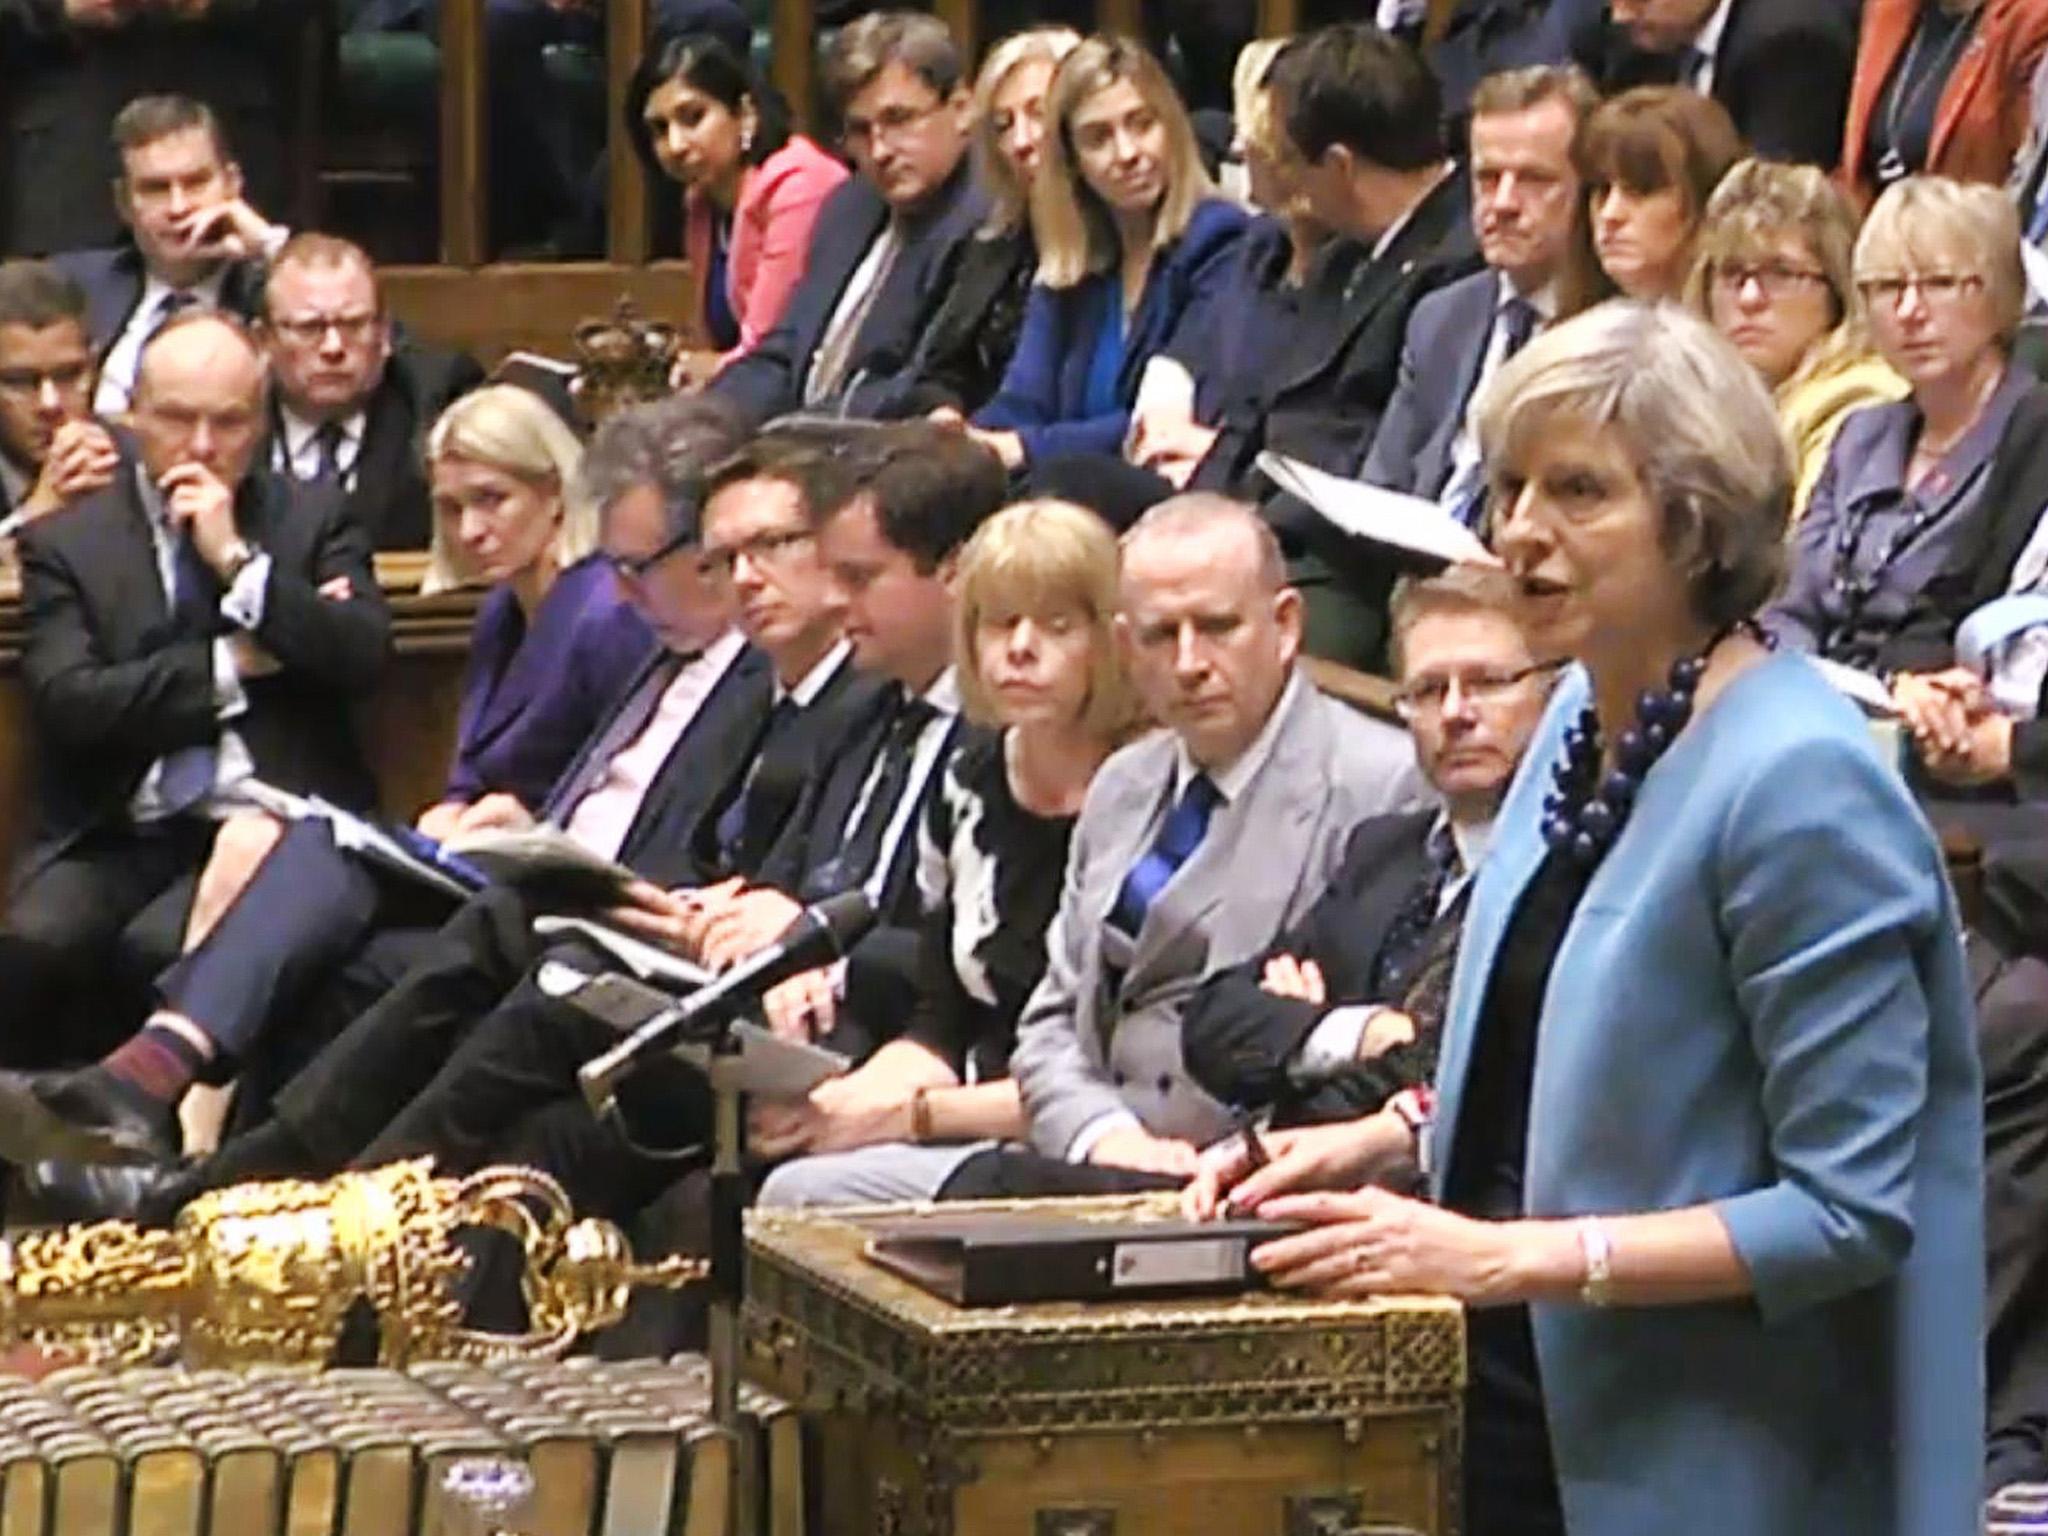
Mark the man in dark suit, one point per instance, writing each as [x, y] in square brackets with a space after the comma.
[351, 403]
[1780, 67]
[197, 622]
[1527, 210]
[508, 1087]
[51, 450]
[1363, 113]
[886, 243]
[1315, 1027]
[193, 241]
[67, 67]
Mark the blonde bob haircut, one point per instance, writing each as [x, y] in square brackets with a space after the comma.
[1694, 419]
[1009, 198]
[1928, 224]
[1031, 558]
[512, 430]
[1076, 236]
[1759, 207]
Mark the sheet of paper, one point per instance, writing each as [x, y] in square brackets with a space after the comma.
[1381, 516]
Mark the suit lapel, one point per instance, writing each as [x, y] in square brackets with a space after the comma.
[1512, 859]
[721, 732]
[635, 703]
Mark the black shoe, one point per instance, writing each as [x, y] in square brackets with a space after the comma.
[147, 1196]
[82, 1117]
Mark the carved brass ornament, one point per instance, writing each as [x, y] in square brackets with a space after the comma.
[269, 1272]
[622, 361]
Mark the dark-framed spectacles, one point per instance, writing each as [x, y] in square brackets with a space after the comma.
[1933, 287]
[892, 123]
[637, 567]
[760, 550]
[311, 330]
[1426, 695]
[1774, 279]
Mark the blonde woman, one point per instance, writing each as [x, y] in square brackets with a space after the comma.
[960, 363]
[554, 634]
[1131, 234]
[1775, 274]
[1040, 672]
[1899, 509]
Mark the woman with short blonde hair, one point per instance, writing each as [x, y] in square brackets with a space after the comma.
[514, 432]
[1131, 236]
[1008, 138]
[1775, 274]
[1042, 680]
[1898, 527]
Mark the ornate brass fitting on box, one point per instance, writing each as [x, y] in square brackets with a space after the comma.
[269, 1272]
[622, 361]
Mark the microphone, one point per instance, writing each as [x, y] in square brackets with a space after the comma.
[820, 933]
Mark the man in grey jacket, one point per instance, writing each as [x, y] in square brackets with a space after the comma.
[1196, 846]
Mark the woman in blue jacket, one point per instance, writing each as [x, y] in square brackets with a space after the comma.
[1706, 1146]
[1130, 234]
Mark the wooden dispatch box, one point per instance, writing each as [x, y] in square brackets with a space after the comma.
[1257, 1415]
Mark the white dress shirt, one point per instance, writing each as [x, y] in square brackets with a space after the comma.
[1465, 451]
[1706, 48]
[605, 814]
[296, 451]
[117, 373]
[241, 604]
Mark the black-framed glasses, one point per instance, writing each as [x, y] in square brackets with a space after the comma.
[892, 123]
[1774, 279]
[311, 330]
[1427, 695]
[637, 567]
[763, 549]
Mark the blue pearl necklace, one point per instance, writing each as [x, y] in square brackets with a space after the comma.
[1584, 813]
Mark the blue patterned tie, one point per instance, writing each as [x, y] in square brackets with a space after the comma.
[1179, 836]
[1518, 321]
[189, 772]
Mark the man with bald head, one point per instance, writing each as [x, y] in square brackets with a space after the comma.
[1199, 843]
[198, 621]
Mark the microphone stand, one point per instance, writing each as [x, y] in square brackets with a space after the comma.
[728, 1270]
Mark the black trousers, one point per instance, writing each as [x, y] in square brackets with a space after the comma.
[436, 985]
[2013, 1041]
[85, 931]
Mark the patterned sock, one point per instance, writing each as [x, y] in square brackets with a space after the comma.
[158, 1063]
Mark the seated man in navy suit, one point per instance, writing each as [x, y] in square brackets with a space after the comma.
[51, 449]
[1528, 212]
[1344, 1009]
[197, 622]
[67, 67]
[886, 243]
[194, 242]
[352, 400]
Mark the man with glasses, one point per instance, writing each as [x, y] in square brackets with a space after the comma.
[886, 243]
[1343, 1010]
[351, 400]
[51, 450]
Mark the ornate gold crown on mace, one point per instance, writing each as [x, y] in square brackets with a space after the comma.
[268, 1272]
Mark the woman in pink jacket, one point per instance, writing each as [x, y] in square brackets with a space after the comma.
[703, 116]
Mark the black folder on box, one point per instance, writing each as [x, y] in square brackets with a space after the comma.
[999, 1258]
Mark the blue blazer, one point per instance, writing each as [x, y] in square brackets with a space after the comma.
[1045, 388]
[1759, 1004]
[533, 694]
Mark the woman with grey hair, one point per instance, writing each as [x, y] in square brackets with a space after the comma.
[1900, 505]
[1705, 1145]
